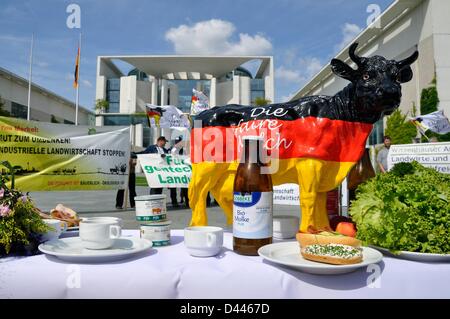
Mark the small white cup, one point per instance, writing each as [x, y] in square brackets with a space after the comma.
[57, 228]
[117, 220]
[285, 227]
[99, 234]
[203, 241]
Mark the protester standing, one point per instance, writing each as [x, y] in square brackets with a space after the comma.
[157, 148]
[131, 184]
[178, 149]
[383, 154]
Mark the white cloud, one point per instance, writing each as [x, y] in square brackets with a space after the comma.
[87, 83]
[41, 64]
[287, 75]
[349, 32]
[299, 70]
[215, 37]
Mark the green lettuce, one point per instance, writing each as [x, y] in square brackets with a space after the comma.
[406, 209]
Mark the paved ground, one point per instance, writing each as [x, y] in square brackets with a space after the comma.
[102, 203]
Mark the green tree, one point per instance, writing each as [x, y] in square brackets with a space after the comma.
[2, 111]
[102, 105]
[260, 101]
[401, 130]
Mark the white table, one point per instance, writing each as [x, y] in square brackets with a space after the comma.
[170, 272]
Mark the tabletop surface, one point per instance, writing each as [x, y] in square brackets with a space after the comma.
[170, 272]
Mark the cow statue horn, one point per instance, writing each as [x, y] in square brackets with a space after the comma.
[409, 60]
[355, 58]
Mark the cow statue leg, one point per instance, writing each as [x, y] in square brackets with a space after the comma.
[205, 176]
[223, 194]
[312, 202]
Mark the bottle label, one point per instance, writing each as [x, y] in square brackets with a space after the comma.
[253, 215]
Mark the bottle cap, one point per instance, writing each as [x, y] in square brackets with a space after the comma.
[253, 138]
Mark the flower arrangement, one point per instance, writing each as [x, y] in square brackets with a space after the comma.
[20, 223]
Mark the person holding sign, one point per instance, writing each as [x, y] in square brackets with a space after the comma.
[157, 148]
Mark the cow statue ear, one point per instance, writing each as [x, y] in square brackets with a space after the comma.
[405, 74]
[343, 70]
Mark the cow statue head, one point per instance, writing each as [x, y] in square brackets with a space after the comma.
[375, 88]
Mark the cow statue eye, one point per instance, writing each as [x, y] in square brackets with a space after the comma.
[366, 76]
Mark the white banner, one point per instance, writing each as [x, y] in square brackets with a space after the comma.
[435, 122]
[434, 155]
[59, 157]
[169, 171]
[166, 116]
[286, 194]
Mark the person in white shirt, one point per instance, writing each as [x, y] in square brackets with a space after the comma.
[177, 149]
[157, 148]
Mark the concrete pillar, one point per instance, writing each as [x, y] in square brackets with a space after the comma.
[164, 92]
[213, 93]
[100, 89]
[154, 91]
[99, 120]
[245, 87]
[236, 90]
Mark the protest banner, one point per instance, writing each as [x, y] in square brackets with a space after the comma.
[168, 171]
[59, 157]
[166, 116]
[434, 155]
[286, 194]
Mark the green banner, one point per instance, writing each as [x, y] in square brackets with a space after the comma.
[168, 171]
[59, 157]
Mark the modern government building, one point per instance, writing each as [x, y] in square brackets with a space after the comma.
[170, 80]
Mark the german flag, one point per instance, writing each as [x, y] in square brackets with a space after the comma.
[316, 152]
[77, 62]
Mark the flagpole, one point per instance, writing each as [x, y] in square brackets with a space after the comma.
[78, 83]
[30, 75]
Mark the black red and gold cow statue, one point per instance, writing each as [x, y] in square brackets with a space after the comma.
[317, 139]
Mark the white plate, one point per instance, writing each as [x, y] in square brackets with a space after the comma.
[288, 254]
[71, 249]
[410, 255]
[75, 228]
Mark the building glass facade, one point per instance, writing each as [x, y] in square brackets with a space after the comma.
[19, 111]
[113, 95]
[376, 136]
[185, 91]
[257, 89]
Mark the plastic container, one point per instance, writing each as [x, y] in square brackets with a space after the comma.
[151, 208]
[158, 233]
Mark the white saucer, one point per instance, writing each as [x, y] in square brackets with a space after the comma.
[288, 254]
[71, 249]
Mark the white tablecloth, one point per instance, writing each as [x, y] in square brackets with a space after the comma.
[170, 272]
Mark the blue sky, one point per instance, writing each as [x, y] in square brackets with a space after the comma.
[302, 35]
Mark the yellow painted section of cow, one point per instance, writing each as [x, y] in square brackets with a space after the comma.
[315, 177]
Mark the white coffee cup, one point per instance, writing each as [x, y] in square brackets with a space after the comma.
[99, 234]
[203, 241]
[57, 227]
[285, 226]
[117, 220]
